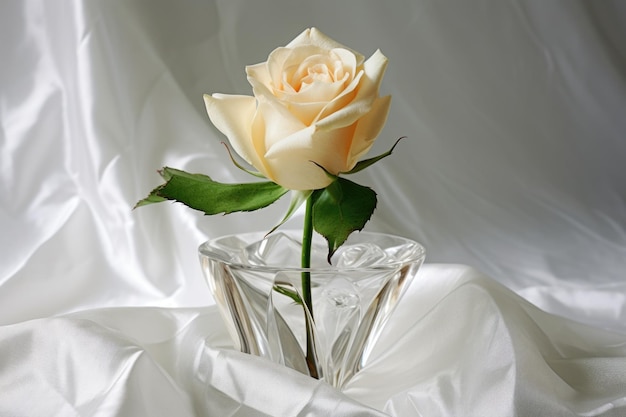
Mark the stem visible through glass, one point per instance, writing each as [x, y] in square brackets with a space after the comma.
[307, 239]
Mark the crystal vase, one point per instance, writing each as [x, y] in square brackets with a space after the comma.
[257, 281]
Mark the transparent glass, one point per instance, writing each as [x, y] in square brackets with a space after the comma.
[256, 283]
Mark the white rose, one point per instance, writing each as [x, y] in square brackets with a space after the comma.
[315, 102]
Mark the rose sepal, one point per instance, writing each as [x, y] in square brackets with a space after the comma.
[361, 165]
[297, 199]
[241, 167]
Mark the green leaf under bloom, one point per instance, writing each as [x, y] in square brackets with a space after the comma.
[200, 192]
[340, 209]
[361, 165]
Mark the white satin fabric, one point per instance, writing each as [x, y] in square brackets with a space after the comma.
[458, 345]
[513, 165]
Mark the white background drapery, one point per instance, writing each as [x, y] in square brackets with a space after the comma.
[513, 165]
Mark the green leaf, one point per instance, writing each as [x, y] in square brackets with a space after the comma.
[200, 192]
[340, 209]
[297, 198]
[361, 165]
[289, 293]
[151, 199]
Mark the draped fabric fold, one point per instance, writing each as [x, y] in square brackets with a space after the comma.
[459, 344]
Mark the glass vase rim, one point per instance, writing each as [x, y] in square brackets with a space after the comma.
[205, 250]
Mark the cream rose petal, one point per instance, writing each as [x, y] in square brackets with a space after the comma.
[296, 59]
[313, 36]
[259, 88]
[292, 158]
[291, 162]
[276, 60]
[345, 116]
[342, 99]
[367, 129]
[306, 112]
[373, 71]
[279, 122]
[317, 92]
[260, 73]
[332, 149]
[299, 71]
[303, 38]
[261, 91]
[275, 67]
[347, 59]
[233, 115]
[308, 104]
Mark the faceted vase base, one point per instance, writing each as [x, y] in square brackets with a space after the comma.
[256, 283]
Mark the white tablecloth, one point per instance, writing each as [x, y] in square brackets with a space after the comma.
[513, 164]
[458, 345]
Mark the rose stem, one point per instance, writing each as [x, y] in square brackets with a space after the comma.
[307, 238]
